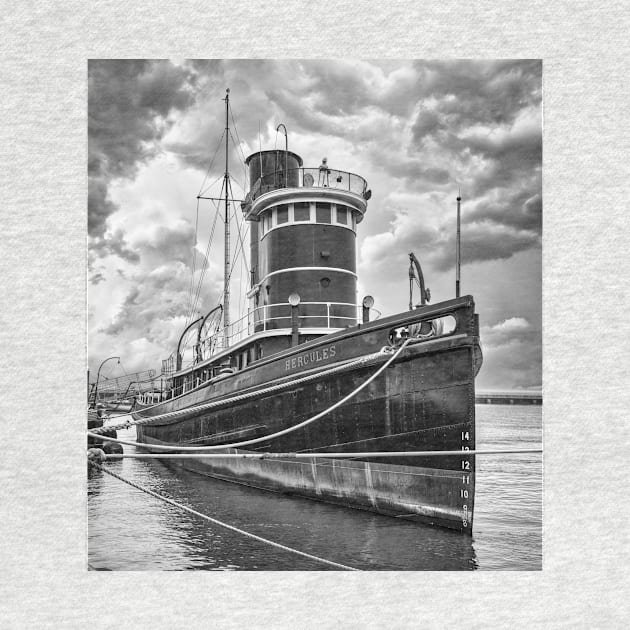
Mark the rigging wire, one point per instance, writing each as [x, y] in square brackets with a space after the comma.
[236, 255]
[236, 131]
[238, 252]
[212, 161]
[246, 275]
[204, 268]
[240, 290]
[239, 142]
[243, 165]
[206, 265]
[194, 296]
[240, 236]
[193, 264]
[203, 192]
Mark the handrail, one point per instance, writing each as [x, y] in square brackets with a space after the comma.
[323, 315]
[326, 313]
[457, 308]
[319, 177]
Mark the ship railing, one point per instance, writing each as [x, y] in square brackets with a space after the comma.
[324, 315]
[152, 398]
[321, 316]
[320, 177]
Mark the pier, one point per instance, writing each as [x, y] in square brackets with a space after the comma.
[509, 398]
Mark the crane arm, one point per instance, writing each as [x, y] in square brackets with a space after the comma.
[425, 294]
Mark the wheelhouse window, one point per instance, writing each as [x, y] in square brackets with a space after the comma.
[307, 212]
[322, 212]
[282, 214]
[342, 215]
[302, 211]
[266, 222]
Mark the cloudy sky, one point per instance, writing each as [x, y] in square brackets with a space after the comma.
[416, 130]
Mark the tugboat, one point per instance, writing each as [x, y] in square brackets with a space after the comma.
[302, 373]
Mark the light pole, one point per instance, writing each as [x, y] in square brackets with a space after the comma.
[98, 375]
[294, 301]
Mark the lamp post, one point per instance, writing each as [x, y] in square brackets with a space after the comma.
[368, 303]
[294, 301]
[98, 375]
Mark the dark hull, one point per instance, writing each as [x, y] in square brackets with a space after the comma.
[423, 402]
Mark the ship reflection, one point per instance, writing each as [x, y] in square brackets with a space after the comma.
[129, 530]
[355, 538]
[414, 547]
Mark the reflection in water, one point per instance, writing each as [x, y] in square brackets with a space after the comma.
[129, 530]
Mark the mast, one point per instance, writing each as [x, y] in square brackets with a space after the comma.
[457, 248]
[226, 268]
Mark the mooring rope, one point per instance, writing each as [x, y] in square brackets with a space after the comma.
[253, 394]
[221, 523]
[264, 438]
[323, 455]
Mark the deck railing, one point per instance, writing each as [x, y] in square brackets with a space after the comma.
[323, 315]
[309, 178]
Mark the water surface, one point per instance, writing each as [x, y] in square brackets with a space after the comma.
[130, 530]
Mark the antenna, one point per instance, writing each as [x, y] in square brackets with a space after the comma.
[226, 268]
[458, 244]
[260, 151]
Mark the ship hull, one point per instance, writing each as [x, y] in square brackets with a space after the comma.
[409, 492]
[424, 401]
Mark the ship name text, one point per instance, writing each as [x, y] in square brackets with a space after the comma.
[308, 358]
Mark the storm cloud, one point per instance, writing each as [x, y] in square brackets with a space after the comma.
[419, 131]
[512, 347]
[129, 102]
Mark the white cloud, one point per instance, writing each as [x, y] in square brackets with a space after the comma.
[413, 129]
[505, 332]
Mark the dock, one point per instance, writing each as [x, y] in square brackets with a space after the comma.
[509, 398]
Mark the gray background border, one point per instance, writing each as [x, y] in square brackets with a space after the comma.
[45, 45]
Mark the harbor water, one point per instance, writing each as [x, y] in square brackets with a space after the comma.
[130, 530]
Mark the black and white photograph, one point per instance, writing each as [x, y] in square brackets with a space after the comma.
[314, 301]
[313, 315]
